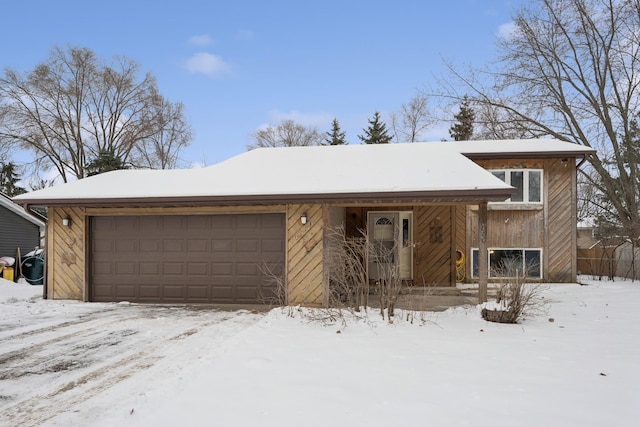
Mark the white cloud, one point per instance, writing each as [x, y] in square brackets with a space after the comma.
[319, 120]
[201, 40]
[207, 64]
[505, 31]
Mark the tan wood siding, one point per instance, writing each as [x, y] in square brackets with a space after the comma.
[305, 267]
[561, 221]
[510, 229]
[433, 231]
[66, 256]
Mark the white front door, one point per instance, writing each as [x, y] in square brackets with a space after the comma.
[391, 237]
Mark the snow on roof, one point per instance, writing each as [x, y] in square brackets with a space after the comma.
[521, 147]
[316, 170]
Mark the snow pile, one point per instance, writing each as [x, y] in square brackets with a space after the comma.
[577, 366]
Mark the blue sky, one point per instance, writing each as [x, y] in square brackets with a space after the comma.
[239, 65]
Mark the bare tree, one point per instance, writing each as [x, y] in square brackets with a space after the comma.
[570, 70]
[162, 149]
[413, 119]
[286, 134]
[74, 106]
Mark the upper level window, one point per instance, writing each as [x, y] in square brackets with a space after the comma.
[528, 184]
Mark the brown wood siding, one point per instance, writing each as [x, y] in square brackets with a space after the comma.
[550, 226]
[66, 254]
[510, 229]
[561, 221]
[433, 235]
[305, 267]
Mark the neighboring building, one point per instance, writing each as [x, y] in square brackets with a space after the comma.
[18, 229]
[208, 235]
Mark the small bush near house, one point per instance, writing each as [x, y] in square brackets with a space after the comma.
[515, 299]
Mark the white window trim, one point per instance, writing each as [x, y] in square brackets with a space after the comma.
[477, 250]
[525, 185]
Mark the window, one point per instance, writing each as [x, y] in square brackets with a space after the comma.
[506, 262]
[527, 182]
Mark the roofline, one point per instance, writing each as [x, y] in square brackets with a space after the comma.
[528, 154]
[33, 217]
[449, 196]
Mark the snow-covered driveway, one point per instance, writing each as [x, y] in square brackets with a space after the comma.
[56, 355]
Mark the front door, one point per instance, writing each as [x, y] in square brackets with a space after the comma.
[391, 236]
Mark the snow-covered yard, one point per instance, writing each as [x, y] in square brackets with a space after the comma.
[68, 363]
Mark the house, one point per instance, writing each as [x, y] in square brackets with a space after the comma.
[18, 229]
[216, 234]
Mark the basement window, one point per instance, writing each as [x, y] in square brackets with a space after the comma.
[507, 262]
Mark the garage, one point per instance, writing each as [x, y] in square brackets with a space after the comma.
[186, 258]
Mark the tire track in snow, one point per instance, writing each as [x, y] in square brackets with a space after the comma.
[59, 396]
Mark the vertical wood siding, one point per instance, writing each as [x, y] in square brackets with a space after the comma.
[66, 254]
[305, 247]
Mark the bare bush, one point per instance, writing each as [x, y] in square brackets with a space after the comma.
[274, 293]
[346, 262]
[516, 299]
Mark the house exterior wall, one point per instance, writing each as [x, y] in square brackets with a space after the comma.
[68, 247]
[17, 232]
[550, 225]
[306, 281]
[438, 230]
[66, 254]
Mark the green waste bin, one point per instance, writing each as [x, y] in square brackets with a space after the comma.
[33, 270]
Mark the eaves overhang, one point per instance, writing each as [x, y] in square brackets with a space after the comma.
[465, 196]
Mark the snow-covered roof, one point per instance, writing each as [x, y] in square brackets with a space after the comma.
[6, 202]
[388, 171]
[541, 147]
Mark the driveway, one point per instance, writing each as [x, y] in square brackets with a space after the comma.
[55, 355]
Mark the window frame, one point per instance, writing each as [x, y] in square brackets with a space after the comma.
[525, 184]
[476, 251]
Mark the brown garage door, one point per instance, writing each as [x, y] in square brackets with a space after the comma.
[185, 259]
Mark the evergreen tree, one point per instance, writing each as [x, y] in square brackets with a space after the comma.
[106, 161]
[9, 179]
[462, 129]
[335, 137]
[376, 133]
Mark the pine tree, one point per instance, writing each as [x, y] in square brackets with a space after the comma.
[107, 160]
[462, 129]
[376, 133]
[9, 179]
[335, 137]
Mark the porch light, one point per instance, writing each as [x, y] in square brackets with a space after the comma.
[66, 222]
[303, 218]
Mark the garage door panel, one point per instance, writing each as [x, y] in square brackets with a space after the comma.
[149, 268]
[197, 245]
[183, 259]
[173, 245]
[198, 269]
[247, 245]
[150, 246]
[245, 222]
[124, 268]
[244, 269]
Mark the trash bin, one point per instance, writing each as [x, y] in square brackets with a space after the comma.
[7, 273]
[33, 270]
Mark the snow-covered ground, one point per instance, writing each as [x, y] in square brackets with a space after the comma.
[68, 363]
